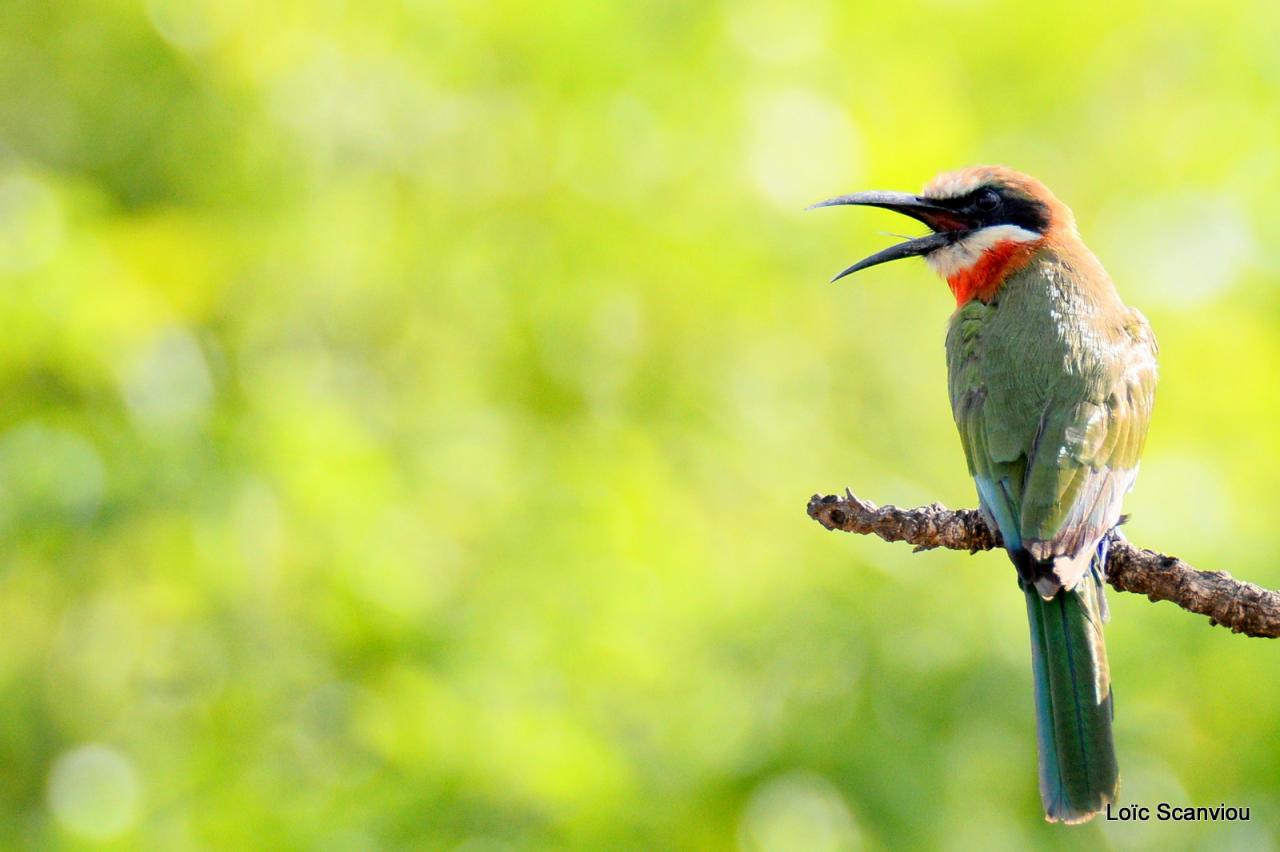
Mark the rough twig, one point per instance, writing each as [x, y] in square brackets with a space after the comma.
[1240, 606]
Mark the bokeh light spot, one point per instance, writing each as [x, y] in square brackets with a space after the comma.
[1181, 251]
[801, 147]
[800, 810]
[31, 223]
[167, 385]
[49, 473]
[194, 24]
[93, 792]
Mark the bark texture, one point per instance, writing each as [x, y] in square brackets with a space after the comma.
[1242, 607]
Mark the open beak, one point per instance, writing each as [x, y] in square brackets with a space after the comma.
[947, 225]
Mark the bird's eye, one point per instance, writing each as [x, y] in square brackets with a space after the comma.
[987, 200]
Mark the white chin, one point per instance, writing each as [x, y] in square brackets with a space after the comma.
[964, 253]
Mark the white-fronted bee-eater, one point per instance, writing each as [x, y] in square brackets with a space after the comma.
[1051, 380]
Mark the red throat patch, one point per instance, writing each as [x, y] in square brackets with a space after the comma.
[983, 278]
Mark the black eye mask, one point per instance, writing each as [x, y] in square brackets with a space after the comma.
[992, 205]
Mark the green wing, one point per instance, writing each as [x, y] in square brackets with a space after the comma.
[1086, 456]
[1053, 417]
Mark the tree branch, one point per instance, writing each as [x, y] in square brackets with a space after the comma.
[1240, 606]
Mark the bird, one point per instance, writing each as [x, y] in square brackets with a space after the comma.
[1051, 379]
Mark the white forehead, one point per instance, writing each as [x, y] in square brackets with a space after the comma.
[953, 185]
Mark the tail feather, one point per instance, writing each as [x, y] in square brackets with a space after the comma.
[1078, 772]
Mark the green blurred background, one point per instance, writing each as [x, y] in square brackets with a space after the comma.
[407, 412]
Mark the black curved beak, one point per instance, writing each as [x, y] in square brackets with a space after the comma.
[947, 225]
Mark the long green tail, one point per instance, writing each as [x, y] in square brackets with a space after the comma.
[1078, 772]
